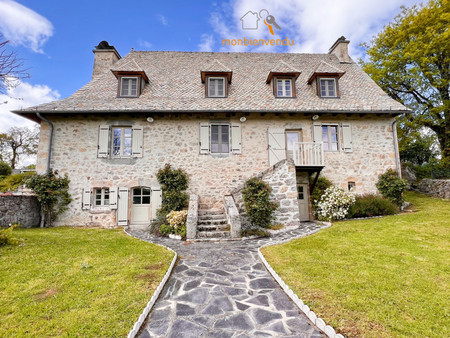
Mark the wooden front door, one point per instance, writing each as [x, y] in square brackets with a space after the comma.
[140, 206]
[302, 199]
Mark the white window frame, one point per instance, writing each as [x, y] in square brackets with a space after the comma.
[283, 88]
[103, 201]
[327, 93]
[129, 93]
[216, 88]
[220, 124]
[122, 139]
[328, 125]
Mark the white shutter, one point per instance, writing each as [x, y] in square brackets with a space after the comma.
[156, 200]
[347, 137]
[113, 198]
[122, 207]
[204, 138]
[277, 145]
[86, 199]
[103, 141]
[137, 142]
[317, 131]
[236, 138]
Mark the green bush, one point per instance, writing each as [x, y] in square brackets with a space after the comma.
[322, 184]
[391, 186]
[5, 169]
[173, 183]
[12, 182]
[257, 204]
[52, 193]
[371, 205]
[6, 236]
[435, 169]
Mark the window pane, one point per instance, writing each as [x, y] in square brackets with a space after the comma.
[291, 138]
[220, 91]
[323, 90]
[136, 199]
[330, 88]
[125, 87]
[146, 200]
[146, 192]
[215, 139]
[211, 87]
[137, 192]
[325, 134]
[225, 139]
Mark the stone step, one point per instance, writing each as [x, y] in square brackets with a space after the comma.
[213, 234]
[208, 217]
[212, 221]
[212, 227]
[202, 212]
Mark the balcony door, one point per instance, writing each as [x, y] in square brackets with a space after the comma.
[292, 136]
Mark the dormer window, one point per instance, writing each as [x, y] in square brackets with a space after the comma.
[328, 87]
[129, 86]
[284, 88]
[216, 87]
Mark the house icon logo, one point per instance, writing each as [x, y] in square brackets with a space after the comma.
[250, 20]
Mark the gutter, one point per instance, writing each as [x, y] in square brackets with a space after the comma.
[397, 154]
[50, 141]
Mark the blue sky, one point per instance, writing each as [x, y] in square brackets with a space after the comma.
[55, 38]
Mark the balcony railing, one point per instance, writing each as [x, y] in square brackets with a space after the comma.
[308, 154]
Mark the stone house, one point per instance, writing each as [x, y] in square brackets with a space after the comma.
[221, 117]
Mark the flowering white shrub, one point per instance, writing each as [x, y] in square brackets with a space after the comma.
[177, 219]
[334, 204]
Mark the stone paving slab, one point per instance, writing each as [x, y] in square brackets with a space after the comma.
[221, 289]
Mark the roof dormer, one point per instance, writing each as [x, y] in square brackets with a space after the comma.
[283, 77]
[216, 78]
[326, 77]
[131, 79]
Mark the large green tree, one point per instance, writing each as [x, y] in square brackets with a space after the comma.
[410, 60]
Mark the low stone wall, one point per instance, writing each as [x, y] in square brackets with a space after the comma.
[24, 210]
[282, 179]
[437, 188]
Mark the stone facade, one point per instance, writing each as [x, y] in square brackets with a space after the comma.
[436, 188]
[282, 179]
[175, 140]
[24, 210]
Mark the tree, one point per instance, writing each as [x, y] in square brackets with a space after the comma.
[17, 142]
[410, 60]
[11, 67]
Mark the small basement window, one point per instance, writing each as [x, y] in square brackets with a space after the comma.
[216, 87]
[328, 88]
[129, 86]
[101, 197]
[351, 186]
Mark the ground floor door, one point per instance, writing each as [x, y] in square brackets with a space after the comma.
[302, 199]
[140, 206]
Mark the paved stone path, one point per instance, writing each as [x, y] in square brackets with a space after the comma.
[221, 289]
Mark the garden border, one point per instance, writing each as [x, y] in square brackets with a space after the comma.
[137, 325]
[319, 322]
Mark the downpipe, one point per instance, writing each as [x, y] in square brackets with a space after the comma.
[397, 154]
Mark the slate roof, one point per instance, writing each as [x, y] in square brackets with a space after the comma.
[175, 86]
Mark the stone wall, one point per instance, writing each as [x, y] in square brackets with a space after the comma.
[19, 209]
[437, 188]
[175, 140]
[282, 179]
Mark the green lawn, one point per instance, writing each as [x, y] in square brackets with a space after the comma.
[384, 277]
[77, 282]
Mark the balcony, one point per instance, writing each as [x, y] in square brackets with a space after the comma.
[308, 155]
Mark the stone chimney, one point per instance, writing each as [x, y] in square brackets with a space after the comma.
[340, 49]
[104, 57]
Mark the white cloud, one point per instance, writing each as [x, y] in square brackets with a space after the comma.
[144, 43]
[23, 96]
[314, 25]
[162, 19]
[23, 26]
[207, 43]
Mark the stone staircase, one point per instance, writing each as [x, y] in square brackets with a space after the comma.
[212, 225]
